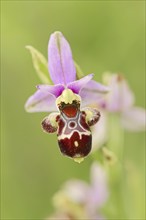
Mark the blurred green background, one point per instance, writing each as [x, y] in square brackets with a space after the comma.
[104, 36]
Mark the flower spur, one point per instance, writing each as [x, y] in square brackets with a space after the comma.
[67, 99]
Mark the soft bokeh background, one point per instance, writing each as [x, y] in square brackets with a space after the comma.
[104, 36]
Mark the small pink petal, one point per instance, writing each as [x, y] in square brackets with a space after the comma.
[99, 132]
[77, 85]
[41, 101]
[55, 90]
[134, 119]
[99, 190]
[93, 92]
[120, 96]
[76, 190]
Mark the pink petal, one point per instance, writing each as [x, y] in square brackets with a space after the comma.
[92, 92]
[77, 85]
[55, 90]
[76, 190]
[41, 101]
[99, 190]
[61, 65]
[120, 97]
[99, 132]
[134, 119]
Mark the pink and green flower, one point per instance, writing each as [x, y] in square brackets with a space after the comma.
[66, 99]
[78, 199]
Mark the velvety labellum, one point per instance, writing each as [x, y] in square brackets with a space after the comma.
[73, 127]
[74, 135]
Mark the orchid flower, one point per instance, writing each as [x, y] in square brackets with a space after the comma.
[80, 200]
[119, 101]
[67, 99]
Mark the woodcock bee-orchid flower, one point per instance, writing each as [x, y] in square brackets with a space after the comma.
[78, 199]
[66, 99]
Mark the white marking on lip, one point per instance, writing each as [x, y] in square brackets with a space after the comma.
[76, 143]
[84, 131]
[69, 125]
[62, 136]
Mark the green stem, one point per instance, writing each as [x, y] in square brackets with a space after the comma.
[116, 172]
[116, 136]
